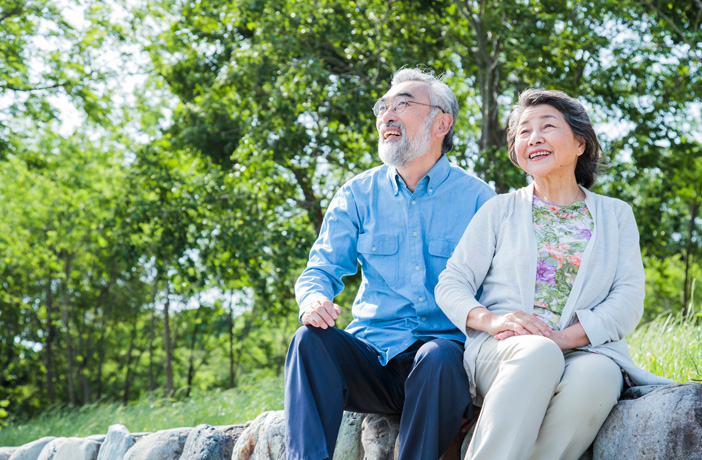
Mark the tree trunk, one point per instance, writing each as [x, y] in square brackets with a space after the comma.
[191, 360]
[48, 346]
[152, 335]
[230, 326]
[248, 324]
[167, 345]
[85, 385]
[66, 316]
[101, 360]
[689, 249]
[486, 58]
[108, 301]
[128, 373]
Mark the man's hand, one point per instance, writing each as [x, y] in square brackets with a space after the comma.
[321, 312]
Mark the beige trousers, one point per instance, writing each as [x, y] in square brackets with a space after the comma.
[539, 402]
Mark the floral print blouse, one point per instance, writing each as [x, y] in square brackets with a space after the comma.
[562, 232]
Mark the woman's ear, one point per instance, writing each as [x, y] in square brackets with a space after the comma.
[581, 145]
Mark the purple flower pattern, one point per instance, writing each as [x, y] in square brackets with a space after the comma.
[562, 233]
[545, 273]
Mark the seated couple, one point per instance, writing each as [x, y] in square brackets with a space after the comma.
[541, 284]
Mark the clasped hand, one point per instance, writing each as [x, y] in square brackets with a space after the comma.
[522, 323]
[321, 312]
[516, 323]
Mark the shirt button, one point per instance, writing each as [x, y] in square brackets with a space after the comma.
[421, 299]
[416, 267]
[431, 190]
[373, 248]
[424, 318]
[414, 233]
[414, 202]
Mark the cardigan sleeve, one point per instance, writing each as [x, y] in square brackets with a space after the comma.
[466, 269]
[619, 313]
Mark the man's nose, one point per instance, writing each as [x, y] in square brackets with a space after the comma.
[388, 115]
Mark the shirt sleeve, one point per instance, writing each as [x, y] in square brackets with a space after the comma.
[619, 313]
[333, 255]
[466, 269]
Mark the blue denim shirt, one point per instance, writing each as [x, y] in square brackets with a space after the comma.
[402, 240]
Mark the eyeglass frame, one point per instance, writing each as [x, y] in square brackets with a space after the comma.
[394, 106]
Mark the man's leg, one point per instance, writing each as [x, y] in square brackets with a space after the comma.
[326, 371]
[437, 398]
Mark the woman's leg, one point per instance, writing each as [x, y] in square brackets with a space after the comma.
[518, 377]
[590, 387]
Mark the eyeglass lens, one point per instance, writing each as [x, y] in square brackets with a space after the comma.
[399, 104]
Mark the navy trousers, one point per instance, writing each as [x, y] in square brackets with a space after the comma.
[328, 371]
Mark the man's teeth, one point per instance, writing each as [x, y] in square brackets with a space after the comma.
[391, 133]
[538, 154]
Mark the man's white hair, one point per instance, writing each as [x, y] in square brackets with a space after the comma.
[439, 94]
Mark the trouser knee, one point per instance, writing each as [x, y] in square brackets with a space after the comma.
[310, 341]
[441, 361]
[440, 354]
[594, 377]
[543, 352]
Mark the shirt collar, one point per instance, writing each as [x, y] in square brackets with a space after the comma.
[394, 178]
[436, 175]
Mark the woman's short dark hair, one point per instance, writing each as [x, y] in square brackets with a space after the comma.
[575, 115]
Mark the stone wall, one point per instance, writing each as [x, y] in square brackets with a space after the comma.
[653, 423]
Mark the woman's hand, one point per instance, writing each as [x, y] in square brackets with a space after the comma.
[508, 324]
[571, 337]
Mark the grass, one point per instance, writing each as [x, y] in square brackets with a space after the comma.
[669, 346]
[149, 414]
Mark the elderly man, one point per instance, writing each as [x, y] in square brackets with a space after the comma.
[400, 222]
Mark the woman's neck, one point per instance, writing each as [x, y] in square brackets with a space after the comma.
[561, 194]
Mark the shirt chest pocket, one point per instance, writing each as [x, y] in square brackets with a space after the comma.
[379, 256]
[439, 252]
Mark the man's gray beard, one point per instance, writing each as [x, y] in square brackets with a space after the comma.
[399, 154]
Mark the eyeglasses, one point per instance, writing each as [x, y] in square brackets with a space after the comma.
[398, 105]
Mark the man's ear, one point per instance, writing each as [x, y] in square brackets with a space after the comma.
[444, 125]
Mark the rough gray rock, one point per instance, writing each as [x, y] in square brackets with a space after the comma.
[264, 439]
[379, 435]
[348, 443]
[663, 424]
[206, 442]
[50, 449]
[361, 436]
[233, 431]
[31, 451]
[78, 449]
[6, 452]
[117, 442]
[162, 445]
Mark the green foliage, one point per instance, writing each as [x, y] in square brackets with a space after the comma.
[3, 413]
[46, 59]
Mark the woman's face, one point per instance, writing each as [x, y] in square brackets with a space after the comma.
[545, 146]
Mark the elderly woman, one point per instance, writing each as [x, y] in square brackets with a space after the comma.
[562, 285]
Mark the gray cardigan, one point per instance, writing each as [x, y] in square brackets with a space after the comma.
[498, 251]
